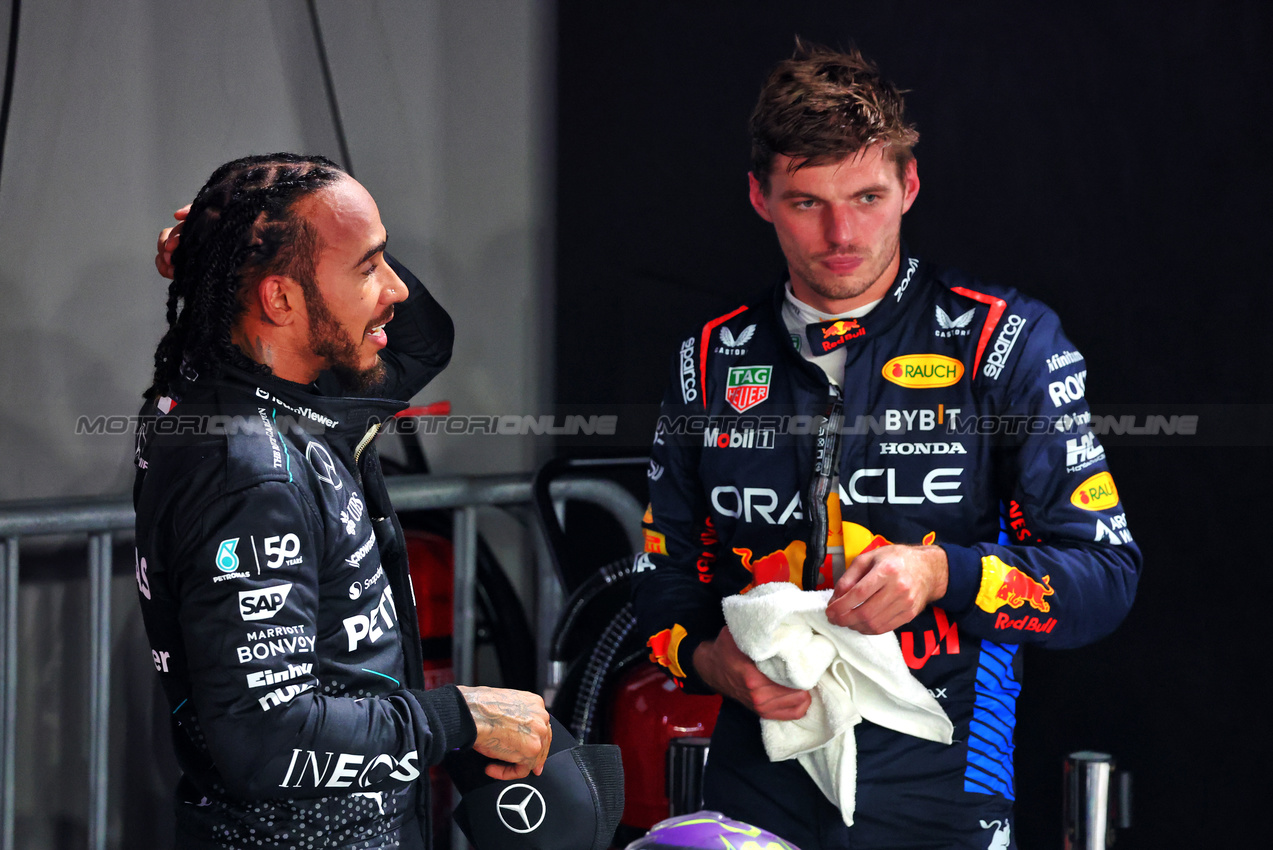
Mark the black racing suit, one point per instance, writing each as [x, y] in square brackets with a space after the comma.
[964, 424]
[274, 588]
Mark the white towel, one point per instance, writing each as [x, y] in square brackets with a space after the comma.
[851, 676]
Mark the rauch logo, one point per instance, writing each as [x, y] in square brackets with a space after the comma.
[923, 371]
[1097, 493]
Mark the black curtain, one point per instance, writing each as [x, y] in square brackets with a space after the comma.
[1109, 159]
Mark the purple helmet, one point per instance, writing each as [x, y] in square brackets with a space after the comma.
[704, 830]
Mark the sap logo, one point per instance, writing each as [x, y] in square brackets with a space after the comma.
[161, 660]
[922, 449]
[139, 572]
[958, 326]
[642, 563]
[934, 488]
[689, 385]
[261, 678]
[747, 438]
[1116, 532]
[282, 549]
[760, 501]
[947, 633]
[903, 421]
[1082, 453]
[267, 649]
[998, 357]
[374, 624]
[283, 695]
[1068, 391]
[308, 769]
[263, 604]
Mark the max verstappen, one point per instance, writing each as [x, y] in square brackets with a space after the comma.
[906, 434]
[271, 568]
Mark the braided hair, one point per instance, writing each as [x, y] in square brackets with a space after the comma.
[241, 227]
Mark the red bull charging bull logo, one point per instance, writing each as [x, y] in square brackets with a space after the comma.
[1003, 584]
[786, 564]
[835, 334]
[664, 647]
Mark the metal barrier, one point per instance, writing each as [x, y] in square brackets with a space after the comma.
[102, 519]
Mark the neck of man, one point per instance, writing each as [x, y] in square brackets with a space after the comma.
[270, 345]
[834, 306]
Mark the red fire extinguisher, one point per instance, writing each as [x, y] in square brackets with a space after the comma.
[430, 558]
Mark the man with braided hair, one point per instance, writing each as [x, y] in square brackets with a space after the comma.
[905, 438]
[270, 566]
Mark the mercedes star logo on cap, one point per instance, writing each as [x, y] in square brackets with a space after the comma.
[521, 808]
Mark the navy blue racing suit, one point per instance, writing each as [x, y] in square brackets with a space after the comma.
[964, 424]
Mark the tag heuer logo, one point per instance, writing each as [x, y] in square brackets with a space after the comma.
[748, 386]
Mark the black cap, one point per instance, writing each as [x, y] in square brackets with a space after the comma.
[575, 804]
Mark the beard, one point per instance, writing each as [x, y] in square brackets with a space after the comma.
[835, 287]
[334, 344]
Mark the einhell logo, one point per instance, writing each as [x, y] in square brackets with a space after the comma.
[1097, 493]
[923, 371]
[747, 387]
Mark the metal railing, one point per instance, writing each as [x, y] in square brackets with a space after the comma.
[103, 519]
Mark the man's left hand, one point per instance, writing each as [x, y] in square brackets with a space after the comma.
[887, 587]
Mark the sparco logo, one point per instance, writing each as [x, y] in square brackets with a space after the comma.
[689, 386]
[309, 769]
[731, 438]
[1003, 346]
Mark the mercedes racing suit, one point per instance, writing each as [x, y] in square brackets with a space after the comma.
[963, 424]
[273, 584]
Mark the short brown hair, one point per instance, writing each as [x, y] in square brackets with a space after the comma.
[820, 106]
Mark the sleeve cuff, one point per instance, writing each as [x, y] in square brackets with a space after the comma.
[450, 720]
[963, 578]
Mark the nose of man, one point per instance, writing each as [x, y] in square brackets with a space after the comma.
[838, 226]
[395, 290]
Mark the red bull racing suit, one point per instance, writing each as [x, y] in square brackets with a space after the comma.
[273, 583]
[971, 433]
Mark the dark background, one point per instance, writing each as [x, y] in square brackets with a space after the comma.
[1111, 160]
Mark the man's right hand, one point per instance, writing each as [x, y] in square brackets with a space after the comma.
[168, 239]
[723, 666]
[513, 727]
